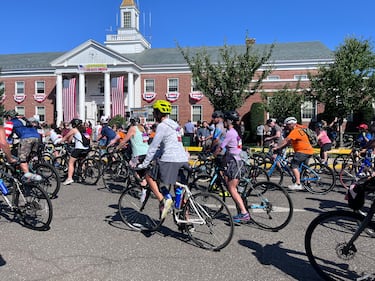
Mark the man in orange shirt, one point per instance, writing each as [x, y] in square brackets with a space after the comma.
[301, 146]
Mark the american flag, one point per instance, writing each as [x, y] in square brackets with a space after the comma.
[69, 99]
[117, 91]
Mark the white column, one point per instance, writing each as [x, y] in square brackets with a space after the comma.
[107, 94]
[82, 97]
[131, 95]
[59, 105]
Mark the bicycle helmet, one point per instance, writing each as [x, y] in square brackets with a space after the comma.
[163, 106]
[76, 122]
[217, 114]
[104, 119]
[232, 115]
[10, 113]
[290, 120]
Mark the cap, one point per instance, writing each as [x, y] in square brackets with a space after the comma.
[363, 126]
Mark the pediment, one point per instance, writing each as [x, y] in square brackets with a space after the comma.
[90, 52]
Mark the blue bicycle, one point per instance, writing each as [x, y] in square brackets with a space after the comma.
[316, 178]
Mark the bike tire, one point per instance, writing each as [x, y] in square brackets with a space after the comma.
[34, 207]
[323, 185]
[137, 215]
[269, 205]
[61, 164]
[115, 176]
[51, 181]
[205, 183]
[325, 241]
[217, 230]
[90, 171]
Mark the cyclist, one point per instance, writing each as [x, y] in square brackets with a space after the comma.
[29, 139]
[4, 145]
[167, 143]
[364, 135]
[301, 146]
[232, 144]
[75, 134]
[107, 132]
[324, 141]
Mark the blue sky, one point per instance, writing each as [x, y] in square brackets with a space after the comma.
[28, 26]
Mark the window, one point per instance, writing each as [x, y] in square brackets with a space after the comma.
[273, 77]
[173, 85]
[197, 113]
[301, 77]
[20, 87]
[127, 20]
[308, 110]
[149, 85]
[174, 113]
[193, 86]
[150, 115]
[41, 112]
[20, 110]
[40, 87]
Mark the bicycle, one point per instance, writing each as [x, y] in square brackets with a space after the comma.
[317, 178]
[203, 216]
[86, 169]
[27, 201]
[339, 247]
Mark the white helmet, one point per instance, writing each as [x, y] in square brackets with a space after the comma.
[104, 119]
[290, 120]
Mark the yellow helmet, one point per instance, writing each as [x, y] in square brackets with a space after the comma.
[163, 106]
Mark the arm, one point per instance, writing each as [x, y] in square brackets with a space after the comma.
[131, 132]
[5, 146]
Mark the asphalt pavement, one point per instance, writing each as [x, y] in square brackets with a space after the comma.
[88, 241]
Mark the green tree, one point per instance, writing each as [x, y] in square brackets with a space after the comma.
[284, 103]
[228, 80]
[347, 85]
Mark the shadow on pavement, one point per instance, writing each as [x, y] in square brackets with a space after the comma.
[286, 260]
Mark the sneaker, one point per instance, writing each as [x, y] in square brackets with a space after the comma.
[32, 177]
[295, 187]
[68, 181]
[241, 218]
[165, 205]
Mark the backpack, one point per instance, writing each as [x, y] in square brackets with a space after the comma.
[85, 140]
[313, 138]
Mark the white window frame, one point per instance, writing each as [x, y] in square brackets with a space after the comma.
[301, 77]
[42, 89]
[127, 18]
[20, 110]
[273, 77]
[308, 110]
[19, 87]
[40, 111]
[172, 88]
[174, 113]
[148, 87]
[194, 115]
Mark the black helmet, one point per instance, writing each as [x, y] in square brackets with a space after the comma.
[135, 120]
[319, 125]
[76, 122]
[218, 113]
[232, 115]
[10, 113]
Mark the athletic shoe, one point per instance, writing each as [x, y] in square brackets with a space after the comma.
[295, 187]
[165, 205]
[241, 218]
[68, 181]
[32, 177]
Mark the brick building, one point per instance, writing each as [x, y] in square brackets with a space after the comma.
[37, 83]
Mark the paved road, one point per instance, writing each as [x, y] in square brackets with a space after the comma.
[88, 241]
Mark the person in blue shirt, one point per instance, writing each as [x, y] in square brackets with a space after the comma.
[364, 135]
[107, 132]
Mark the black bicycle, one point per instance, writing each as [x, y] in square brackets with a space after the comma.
[340, 246]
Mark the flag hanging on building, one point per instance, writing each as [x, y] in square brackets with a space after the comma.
[69, 99]
[117, 93]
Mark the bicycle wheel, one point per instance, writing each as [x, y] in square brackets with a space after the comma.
[256, 174]
[326, 247]
[349, 174]
[115, 175]
[34, 207]
[318, 178]
[205, 183]
[90, 171]
[50, 178]
[138, 215]
[210, 224]
[61, 165]
[339, 162]
[269, 205]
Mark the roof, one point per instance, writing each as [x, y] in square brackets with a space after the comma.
[171, 56]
